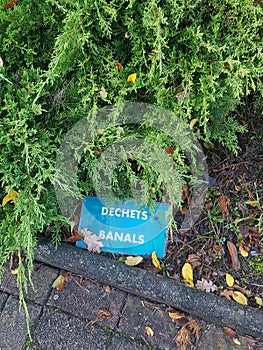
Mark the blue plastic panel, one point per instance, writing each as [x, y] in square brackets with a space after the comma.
[125, 228]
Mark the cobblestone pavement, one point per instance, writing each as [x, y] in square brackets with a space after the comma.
[88, 315]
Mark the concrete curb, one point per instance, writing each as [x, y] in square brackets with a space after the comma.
[156, 288]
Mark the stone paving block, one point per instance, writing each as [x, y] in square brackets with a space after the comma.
[137, 315]
[214, 338]
[42, 279]
[123, 343]
[60, 331]
[8, 282]
[84, 298]
[13, 328]
[3, 298]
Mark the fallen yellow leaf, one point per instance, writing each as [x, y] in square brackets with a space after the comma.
[229, 280]
[187, 273]
[236, 341]
[239, 298]
[155, 261]
[242, 251]
[10, 196]
[131, 78]
[133, 260]
[193, 122]
[15, 271]
[259, 301]
[176, 315]
[149, 331]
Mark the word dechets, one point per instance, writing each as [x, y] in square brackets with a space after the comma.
[125, 213]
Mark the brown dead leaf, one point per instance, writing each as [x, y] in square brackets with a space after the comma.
[59, 283]
[97, 152]
[103, 314]
[229, 331]
[75, 237]
[11, 4]
[170, 150]
[185, 192]
[194, 328]
[106, 288]
[237, 188]
[223, 204]
[243, 230]
[66, 275]
[182, 338]
[218, 250]
[184, 211]
[227, 294]
[240, 289]
[234, 255]
[119, 66]
[205, 285]
[254, 235]
[194, 260]
[209, 205]
[254, 230]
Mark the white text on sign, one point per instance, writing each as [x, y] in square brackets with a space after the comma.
[125, 213]
[121, 237]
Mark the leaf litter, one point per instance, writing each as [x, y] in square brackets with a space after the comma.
[103, 315]
[183, 337]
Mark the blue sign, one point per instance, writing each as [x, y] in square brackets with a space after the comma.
[123, 227]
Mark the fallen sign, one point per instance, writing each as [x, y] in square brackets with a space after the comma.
[123, 227]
